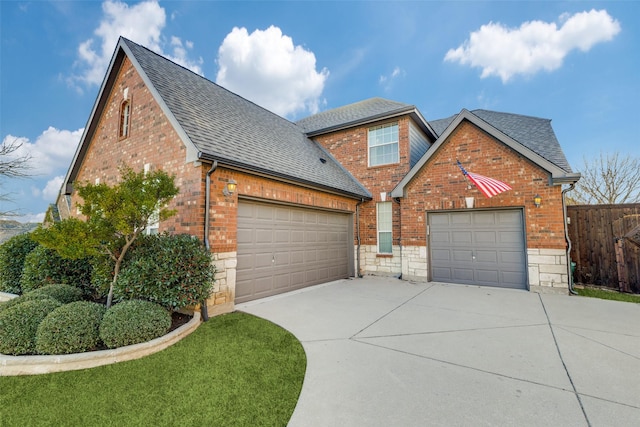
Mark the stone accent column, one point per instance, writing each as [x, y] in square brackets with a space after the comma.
[223, 295]
[548, 270]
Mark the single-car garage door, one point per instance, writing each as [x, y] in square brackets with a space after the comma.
[282, 248]
[478, 248]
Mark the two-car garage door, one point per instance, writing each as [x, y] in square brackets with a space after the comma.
[282, 248]
[480, 247]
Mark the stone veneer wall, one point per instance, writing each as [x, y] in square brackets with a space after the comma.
[379, 265]
[547, 267]
[223, 295]
[547, 270]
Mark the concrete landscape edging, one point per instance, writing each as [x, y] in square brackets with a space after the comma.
[34, 365]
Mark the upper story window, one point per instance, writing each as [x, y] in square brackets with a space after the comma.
[125, 118]
[383, 144]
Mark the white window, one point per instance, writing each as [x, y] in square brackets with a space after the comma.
[153, 226]
[383, 144]
[125, 118]
[385, 227]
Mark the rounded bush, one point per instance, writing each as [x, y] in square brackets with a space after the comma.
[174, 271]
[133, 322]
[24, 298]
[71, 328]
[63, 293]
[12, 255]
[44, 267]
[19, 325]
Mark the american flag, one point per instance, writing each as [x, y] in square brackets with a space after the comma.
[487, 186]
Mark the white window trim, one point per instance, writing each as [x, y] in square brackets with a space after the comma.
[397, 143]
[382, 230]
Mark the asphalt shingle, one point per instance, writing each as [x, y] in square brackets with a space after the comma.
[233, 129]
[532, 132]
[352, 113]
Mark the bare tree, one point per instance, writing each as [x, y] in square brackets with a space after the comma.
[608, 179]
[13, 164]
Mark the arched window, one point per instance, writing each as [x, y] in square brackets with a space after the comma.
[125, 118]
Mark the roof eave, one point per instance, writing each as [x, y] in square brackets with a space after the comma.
[410, 109]
[255, 170]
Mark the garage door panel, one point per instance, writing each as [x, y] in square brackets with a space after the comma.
[462, 237]
[488, 237]
[484, 218]
[462, 219]
[440, 255]
[478, 247]
[487, 276]
[282, 248]
[487, 256]
[462, 274]
[461, 254]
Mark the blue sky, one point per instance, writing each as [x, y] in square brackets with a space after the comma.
[572, 62]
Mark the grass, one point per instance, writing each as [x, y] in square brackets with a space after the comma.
[234, 370]
[606, 294]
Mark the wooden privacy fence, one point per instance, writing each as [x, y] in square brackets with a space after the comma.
[606, 245]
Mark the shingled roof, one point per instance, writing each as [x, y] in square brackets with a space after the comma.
[217, 124]
[226, 127]
[532, 132]
[359, 113]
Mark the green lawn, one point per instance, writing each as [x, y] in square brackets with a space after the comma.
[234, 370]
[606, 294]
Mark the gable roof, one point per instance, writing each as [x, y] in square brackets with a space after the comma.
[216, 124]
[359, 113]
[532, 132]
[532, 137]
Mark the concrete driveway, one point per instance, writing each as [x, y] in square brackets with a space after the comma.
[386, 352]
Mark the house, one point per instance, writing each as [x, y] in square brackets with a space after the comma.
[368, 188]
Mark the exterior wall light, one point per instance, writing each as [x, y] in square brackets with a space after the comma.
[537, 200]
[230, 188]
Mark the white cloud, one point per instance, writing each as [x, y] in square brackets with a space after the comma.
[387, 80]
[142, 23]
[266, 68]
[51, 190]
[534, 46]
[51, 152]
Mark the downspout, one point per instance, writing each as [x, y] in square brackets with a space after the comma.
[397, 200]
[207, 203]
[358, 238]
[566, 236]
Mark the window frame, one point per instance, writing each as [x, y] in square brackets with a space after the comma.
[371, 147]
[124, 126]
[380, 229]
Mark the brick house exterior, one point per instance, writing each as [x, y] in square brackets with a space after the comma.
[310, 186]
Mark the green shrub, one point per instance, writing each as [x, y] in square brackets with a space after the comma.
[12, 255]
[19, 324]
[63, 293]
[44, 267]
[23, 298]
[71, 328]
[173, 271]
[133, 322]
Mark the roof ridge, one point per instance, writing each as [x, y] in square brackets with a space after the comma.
[509, 114]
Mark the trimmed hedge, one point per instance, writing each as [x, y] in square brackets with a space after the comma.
[23, 298]
[173, 271]
[133, 322]
[71, 328]
[44, 267]
[12, 255]
[19, 325]
[63, 293]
